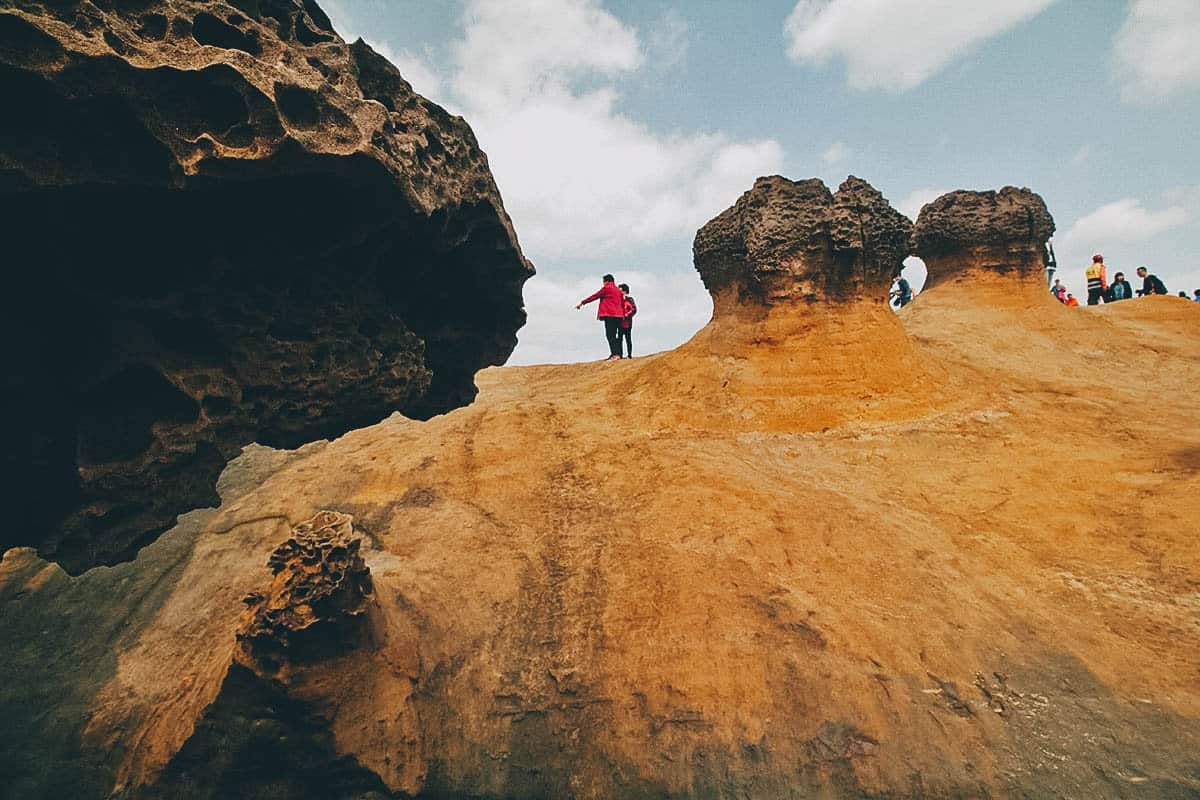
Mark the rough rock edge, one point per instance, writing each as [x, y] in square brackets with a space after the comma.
[231, 95]
[786, 241]
[963, 219]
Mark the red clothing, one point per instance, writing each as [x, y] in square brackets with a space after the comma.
[612, 302]
[630, 309]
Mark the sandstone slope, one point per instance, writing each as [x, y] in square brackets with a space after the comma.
[222, 225]
[821, 550]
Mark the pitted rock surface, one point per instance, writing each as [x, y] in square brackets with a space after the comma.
[788, 241]
[319, 593]
[223, 225]
[965, 219]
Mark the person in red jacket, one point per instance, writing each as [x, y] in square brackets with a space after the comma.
[611, 312]
[630, 308]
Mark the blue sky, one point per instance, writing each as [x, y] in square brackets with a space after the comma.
[616, 128]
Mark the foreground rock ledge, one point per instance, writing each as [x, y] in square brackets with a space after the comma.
[222, 225]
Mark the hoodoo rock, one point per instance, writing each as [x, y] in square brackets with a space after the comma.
[1001, 232]
[802, 335]
[790, 241]
[222, 224]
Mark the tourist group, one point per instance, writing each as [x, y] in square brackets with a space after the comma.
[1101, 290]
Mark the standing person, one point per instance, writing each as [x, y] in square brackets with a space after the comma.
[1056, 288]
[630, 309]
[1120, 289]
[1060, 293]
[1097, 281]
[1197, 293]
[610, 312]
[903, 291]
[1150, 283]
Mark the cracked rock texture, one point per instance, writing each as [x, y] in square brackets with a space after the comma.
[223, 225]
[1002, 232]
[786, 241]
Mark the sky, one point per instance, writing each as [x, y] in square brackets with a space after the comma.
[616, 128]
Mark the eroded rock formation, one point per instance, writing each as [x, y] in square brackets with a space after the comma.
[222, 225]
[802, 334]
[790, 241]
[968, 232]
[316, 603]
[760, 565]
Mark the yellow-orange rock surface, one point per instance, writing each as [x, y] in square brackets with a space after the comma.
[821, 550]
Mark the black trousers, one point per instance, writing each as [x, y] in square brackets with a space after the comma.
[612, 332]
[627, 337]
[1094, 296]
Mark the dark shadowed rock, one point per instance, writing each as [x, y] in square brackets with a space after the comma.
[222, 225]
[1003, 231]
[788, 241]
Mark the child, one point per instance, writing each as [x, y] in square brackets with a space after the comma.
[627, 321]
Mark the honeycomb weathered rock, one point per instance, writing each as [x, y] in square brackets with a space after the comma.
[222, 225]
[786, 241]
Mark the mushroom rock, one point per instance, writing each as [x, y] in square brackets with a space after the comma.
[789, 242]
[974, 236]
[802, 335]
[223, 225]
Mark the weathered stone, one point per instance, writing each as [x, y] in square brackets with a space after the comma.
[222, 225]
[1003, 231]
[316, 601]
[789, 241]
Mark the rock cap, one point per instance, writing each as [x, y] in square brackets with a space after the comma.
[788, 241]
[965, 219]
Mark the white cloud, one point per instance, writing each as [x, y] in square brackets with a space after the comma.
[1124, 220]
[911, 205]
[1081, 155]
[898, 44]
[1156, 50]
[670, 306]
[538, 80]
[836, 153]
[513, 52]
